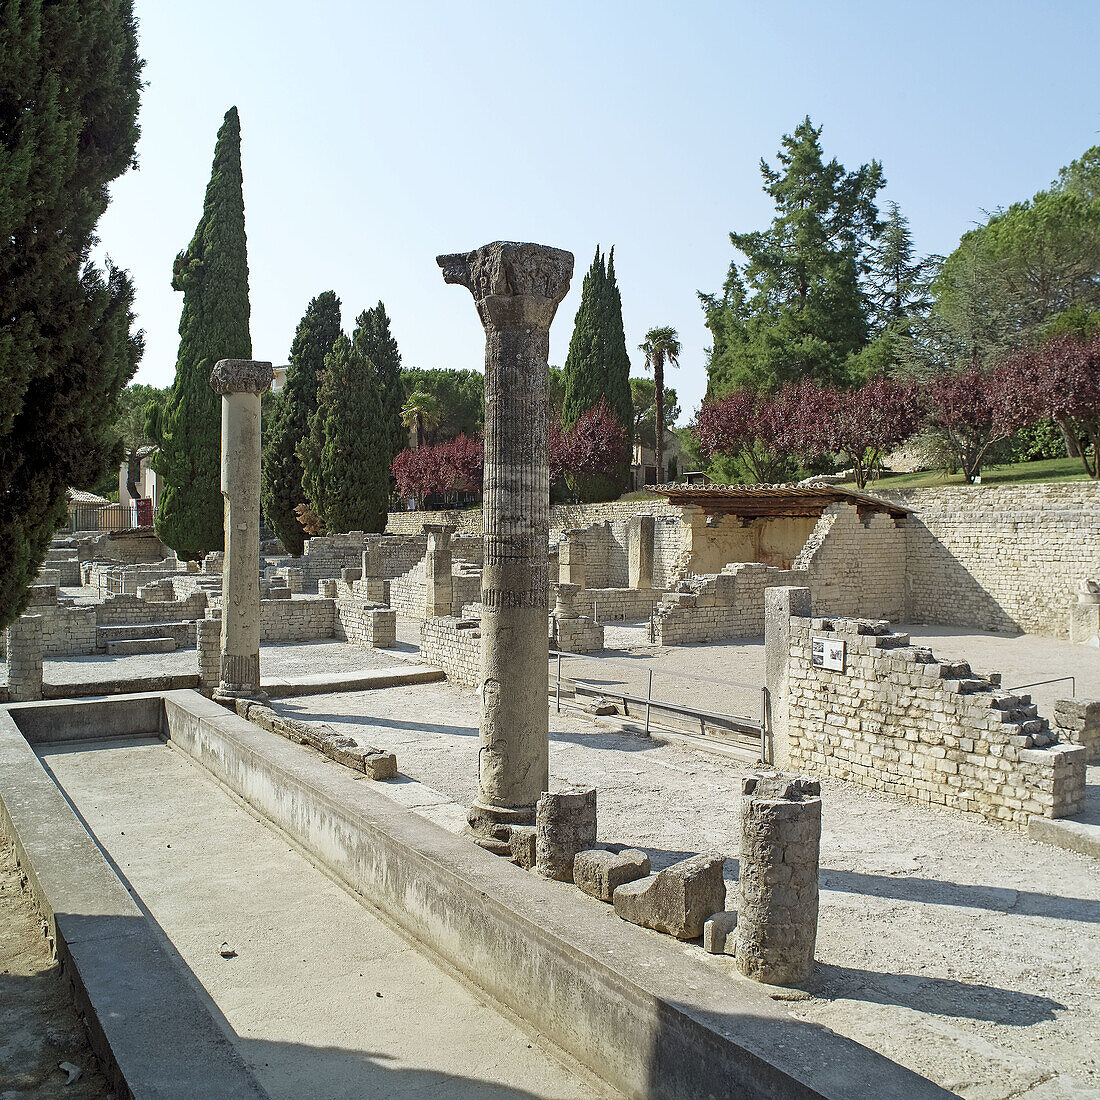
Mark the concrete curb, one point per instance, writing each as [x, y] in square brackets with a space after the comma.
[146, 1022]
[635, 1007]
[1076, 836]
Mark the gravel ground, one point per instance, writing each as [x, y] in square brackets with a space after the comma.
[39, 1025]
[964, 951]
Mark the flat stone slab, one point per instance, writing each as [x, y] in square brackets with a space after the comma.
[1076, 836]
[324, 683]
[600, 873]
[677, 900]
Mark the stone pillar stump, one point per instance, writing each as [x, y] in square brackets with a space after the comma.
[240, 383]
[23, 643]
[640, 563]
[516, 289]
[438, 586]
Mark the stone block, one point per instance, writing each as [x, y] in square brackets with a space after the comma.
[565, 824]
[380, 765]
[678, 900]
[718, 933]
[521, 844]
[600, 872]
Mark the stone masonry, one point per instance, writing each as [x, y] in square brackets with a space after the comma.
[517, 289]
[777, 896]
[24, 650]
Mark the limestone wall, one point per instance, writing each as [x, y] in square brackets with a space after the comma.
[770, 540]
[301, 619]
[897, 720]
[362, 623]
[1005, 558]
[123, 610]
[455, 646]
[612, 604]
[856, 565]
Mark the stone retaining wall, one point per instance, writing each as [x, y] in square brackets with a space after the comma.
[897, 720]
[455, 646]
[1007, 558]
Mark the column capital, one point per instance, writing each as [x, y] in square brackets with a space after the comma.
[514, 284]
[241, 376]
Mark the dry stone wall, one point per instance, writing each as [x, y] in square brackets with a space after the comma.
[1005, 558]
[895, 719]
[301, 619]
[454, 645]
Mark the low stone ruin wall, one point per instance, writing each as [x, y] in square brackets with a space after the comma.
[67, 630]
[364, 624]
[893, 718]
[302, 619]
[454, 645]
[123, 610]
[408, 593]
[612, 604]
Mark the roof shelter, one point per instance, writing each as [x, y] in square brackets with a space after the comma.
[752, 501]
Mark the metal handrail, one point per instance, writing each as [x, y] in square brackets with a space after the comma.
[1056, 680]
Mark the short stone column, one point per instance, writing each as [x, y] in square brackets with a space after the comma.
[294, 579]
[693, 522]
[640, 551]
[438, 586]
[571, 559]
[779, 605]
[241, 382]
[517, 289]
[563, 602]
[565, 824]
[208, 642]
[23, 644]
[777, 886]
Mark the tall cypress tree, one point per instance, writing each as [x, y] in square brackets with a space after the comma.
[347, 476]
[597, 368]
[213, 275]
[377, 343]
[69, 92]
[281, 485]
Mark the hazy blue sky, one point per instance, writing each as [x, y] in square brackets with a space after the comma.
[376, 136]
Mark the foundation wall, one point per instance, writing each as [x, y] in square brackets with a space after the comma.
[1000, 558]
[455, 646]
[896, 720]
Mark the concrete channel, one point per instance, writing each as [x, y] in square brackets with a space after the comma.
[397, 959]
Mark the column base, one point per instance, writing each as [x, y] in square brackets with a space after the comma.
[490, 827]
[228, 694]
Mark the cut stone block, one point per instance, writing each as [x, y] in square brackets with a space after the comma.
[599, 872]
[718, 934]
[381, 765]
[565, 824]
[677, 900]
[126, 647]
[521, 841]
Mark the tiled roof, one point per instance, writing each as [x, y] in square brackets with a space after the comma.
[773, 500]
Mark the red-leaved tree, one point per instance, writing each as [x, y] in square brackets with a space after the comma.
[750, 428]
[1061, 381]
[976, 408]
[595, 447]
[454, 466]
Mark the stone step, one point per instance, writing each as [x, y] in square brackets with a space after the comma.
[125, 647]
[183, 633]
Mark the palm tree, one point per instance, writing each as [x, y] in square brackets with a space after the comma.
[421, 411]
[661, 346]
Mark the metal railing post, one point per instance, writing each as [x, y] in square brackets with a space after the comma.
[648, 701]
[557, 687]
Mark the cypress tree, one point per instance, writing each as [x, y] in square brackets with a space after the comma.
[69, 93]
[378, 345]
[597, 368]
[213, 275]
[347, 475]
[281, 485]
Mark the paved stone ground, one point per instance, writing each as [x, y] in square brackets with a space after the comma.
[39, 1025]
[964, 951]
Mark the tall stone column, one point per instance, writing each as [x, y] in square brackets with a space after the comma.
[640, 551]
[438, 586]
[517, 289]
[241, 382]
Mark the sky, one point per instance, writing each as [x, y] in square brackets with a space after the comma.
[378, 136]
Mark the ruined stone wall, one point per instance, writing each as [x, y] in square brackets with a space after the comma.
[454, 645]
[897, 720]
[325, 556]
[612, 604]
[856, 565]
[123, 610]
[769, 540]
[408, 593]
[725, 605]
[362, 623]
[301, 619]
[1005, 558]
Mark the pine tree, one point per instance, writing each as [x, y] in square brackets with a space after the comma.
[898, 282]
[69, 92]
[597, 368]
[377, 343]
[797, 308]
[281, 486]
[213, 275]
[347, 472]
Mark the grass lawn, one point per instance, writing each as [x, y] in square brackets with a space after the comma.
[1050, 469]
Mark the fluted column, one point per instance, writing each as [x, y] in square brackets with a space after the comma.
[517, 289]
[241, 382]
